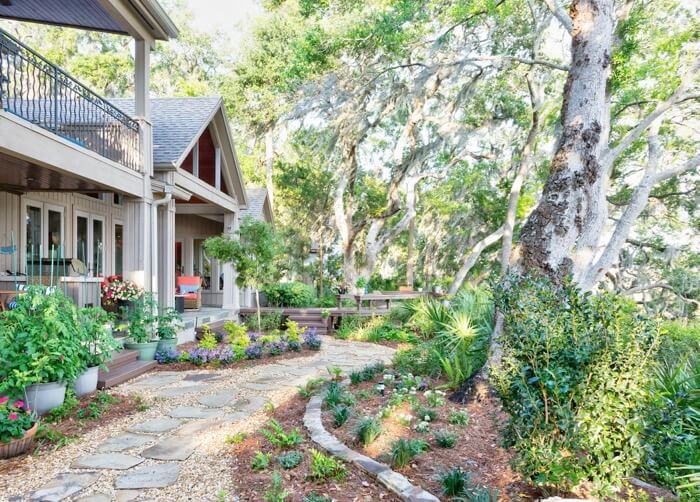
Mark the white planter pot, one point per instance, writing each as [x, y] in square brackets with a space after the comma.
[86, 382]
[44, 397]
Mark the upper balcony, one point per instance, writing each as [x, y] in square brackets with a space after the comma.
[38, 91]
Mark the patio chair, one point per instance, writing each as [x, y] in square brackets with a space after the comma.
[191, 288]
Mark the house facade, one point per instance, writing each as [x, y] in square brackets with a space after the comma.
[123, 186]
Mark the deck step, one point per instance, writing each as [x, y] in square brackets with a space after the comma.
[122, 358]
[121, 374]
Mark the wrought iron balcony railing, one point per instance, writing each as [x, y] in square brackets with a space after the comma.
[33, 88]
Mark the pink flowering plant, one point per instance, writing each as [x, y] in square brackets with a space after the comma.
[15, 419]
[116, 289]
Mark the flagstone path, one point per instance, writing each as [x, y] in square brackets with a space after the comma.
[175, 450]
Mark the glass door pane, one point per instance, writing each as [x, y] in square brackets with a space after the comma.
[81, 240]
[118, 249]
[98, 251]
[33, 232]
[55, 227]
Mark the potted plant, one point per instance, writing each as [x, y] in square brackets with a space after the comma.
[118, 294]
[40, 348]
[98, 345]
[168, 322]
[17, 427]
[140, 323]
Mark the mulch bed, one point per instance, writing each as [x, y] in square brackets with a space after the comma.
[477, 449]
[252, 485]
[72, 427]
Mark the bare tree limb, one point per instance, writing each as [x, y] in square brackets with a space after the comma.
[471, 259]
[559, 13]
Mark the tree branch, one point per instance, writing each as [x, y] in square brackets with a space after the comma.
[471, 259]
[559, 13]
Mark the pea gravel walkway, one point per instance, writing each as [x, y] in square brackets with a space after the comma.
[175, 450]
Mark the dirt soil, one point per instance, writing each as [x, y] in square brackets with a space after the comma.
[251, 485]
[477, 449]
[72, 428]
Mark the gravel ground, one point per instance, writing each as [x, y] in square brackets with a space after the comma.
[203, 474]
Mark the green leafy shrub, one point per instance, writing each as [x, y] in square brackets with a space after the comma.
[310, 388]
[278, 438]
[268, 321]
[573, 382]
[459, 417]
[672, 435]
[336, 394]
[290, 294]
[313, 497]
[679, 340]
[40, 341]
[260, 461]
[341, 414]
[422, 359]
[454, 482]
[405, 450]
[324, 467]
[208, 340]
[276, 492]
[348, 325]
[445, 439]
[425, 413]
[290, 459]
[367, 430]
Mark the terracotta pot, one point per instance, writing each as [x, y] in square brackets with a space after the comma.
[19, 446]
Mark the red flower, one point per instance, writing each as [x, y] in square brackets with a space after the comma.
[4, 399]
[18, 404]
[12, 416]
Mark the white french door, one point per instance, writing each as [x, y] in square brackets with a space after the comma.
[90, 242]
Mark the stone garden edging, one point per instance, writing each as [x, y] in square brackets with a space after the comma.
[394, 481]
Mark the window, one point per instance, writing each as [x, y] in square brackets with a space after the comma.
[118, 249]
[33, 235]
[202, 264]
[90, 242]
[118, 199]
[43, 236]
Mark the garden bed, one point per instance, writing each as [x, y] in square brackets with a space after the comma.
[76, 418]
[251, 483]
[472, 430]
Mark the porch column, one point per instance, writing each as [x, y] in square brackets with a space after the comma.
[137, 242]
[166, 255]
[230, 293]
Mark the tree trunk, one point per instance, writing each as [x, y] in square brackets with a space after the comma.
[520, 175]
[320, 266]
[269, 162]
[561, 234]
[410, 253]
[472, 258]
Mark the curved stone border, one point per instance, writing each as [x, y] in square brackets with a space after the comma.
[394, 481]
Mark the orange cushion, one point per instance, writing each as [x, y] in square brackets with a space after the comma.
[191, 296]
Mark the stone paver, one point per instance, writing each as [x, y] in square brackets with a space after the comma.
[218, 400]
[157, 380]
[124, 441]
[196, 427]
[260, 386]
[64, 485]
[126, 495]
[171, 448]
[149, 476]
[157, 425]
[118, 461]
[181, 391]
[95, 497]
[199, 377]
[193, 412]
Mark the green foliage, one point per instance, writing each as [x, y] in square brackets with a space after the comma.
[268, 322]
[313, 497]
[367, 430]
[70, 404]
[324, 467]
[167, 324]
[236, 438]
[454, 482]
[422, 359]
[311, 387]
[40, 341]
[424, 413]
[260, 461]
[573, 382]
[290, 294]
[459, 417]
[336, 394]
[348, 325]
[140, 317]
[208, 340]
[679, 339]
[101, 403]
[290, 459]
[445, 439]
[276, 492]
[341, 413]
[405, 450]
[278, 438]
[97, 340]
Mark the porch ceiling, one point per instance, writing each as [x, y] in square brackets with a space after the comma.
[87, 14]
[20, 176]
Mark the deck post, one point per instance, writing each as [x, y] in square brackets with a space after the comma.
[230, 293]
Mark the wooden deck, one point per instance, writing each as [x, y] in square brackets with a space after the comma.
[311, 317]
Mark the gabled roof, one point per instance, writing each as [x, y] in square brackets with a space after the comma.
[258, 205]
[177, 122]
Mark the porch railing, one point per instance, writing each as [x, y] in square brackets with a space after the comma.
[35, 89]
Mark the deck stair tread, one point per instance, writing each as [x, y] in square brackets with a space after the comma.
[124, 372]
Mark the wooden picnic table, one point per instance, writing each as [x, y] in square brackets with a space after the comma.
[387, 297]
